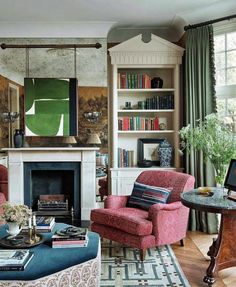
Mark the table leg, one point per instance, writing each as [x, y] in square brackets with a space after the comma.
[222, 251]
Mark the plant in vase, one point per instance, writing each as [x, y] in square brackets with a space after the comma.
[214, 139]
[15, 216]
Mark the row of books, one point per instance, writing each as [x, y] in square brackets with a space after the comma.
[138, 124]
[70, 237]
[125, 158]
[159, 102]
[15, 260]
[133, 81]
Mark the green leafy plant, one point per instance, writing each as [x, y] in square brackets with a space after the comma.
[18, 213]
[214, 139]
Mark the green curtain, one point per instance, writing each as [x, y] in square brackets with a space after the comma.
[200, 101]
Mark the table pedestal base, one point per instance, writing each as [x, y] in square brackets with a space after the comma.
[222, 251]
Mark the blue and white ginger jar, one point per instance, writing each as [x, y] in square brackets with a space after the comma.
[165, 154]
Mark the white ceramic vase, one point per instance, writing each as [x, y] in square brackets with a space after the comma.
[13, 228]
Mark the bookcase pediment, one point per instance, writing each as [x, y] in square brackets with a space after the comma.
[157, 51]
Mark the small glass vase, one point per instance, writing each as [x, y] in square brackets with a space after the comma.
[13, 228]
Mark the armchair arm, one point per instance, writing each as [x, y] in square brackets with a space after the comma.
[169, 222]
[116, 201]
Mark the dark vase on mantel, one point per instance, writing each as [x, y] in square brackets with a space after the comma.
[18, 138]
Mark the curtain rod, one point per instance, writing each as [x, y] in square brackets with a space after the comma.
[56, 46]
[209, 22]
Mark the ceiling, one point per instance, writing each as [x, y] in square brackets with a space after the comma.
[83, 20]
[108, 14]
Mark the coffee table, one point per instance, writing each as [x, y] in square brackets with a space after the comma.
[222, 251]
[58, 266]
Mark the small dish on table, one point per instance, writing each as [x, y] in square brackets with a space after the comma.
[205, 191]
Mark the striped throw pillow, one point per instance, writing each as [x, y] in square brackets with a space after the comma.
[143, 196]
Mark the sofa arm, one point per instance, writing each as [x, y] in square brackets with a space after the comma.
[169, 222]
[116, 201]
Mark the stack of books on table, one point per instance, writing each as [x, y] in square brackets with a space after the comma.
[75, 237]
[43, 224]
[15, 260]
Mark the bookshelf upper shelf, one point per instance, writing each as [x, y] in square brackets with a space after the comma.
[146, 111]
[145, 90]
[146, 132]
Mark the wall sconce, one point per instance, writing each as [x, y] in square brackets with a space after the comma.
[9, 117]
[92, 117]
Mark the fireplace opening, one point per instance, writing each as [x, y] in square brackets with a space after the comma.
[51, 180]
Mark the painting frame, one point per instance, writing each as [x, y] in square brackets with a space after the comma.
[148, 150]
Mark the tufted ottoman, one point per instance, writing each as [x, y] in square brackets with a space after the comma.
[58, 267]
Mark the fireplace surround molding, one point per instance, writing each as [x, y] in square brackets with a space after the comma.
[85, 155]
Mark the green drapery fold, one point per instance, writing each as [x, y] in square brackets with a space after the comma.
[200, 101]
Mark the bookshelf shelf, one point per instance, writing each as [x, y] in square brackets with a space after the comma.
[146, 111]
[147, 132]
[145, 90]
[140, 110]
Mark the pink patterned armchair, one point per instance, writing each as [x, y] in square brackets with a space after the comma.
[160, 224]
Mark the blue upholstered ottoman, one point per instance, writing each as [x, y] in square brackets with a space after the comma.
[58, 266]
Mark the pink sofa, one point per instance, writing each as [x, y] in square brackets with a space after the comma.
[138, 228]
[3, 185]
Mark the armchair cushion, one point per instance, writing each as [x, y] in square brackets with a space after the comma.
[131, 220]
[143, 195]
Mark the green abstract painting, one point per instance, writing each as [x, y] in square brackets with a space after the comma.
[47, 107]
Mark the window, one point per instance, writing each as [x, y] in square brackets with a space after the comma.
[225, 62]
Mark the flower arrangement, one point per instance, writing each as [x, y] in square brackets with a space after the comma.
[214, 139]
[18, 213]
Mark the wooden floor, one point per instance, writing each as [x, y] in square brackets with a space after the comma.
[193, 262]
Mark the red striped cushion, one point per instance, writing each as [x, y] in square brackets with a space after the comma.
[143, 196]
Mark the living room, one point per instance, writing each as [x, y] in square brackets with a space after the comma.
[124, 82]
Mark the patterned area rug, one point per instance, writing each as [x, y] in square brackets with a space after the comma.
[121, 267]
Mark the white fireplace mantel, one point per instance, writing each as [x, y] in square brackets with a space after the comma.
[85, 155]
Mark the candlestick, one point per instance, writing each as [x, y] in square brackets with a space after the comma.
[30, 223]
[34, 220]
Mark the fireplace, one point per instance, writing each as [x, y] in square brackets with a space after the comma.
[52, 179]
[77, 162]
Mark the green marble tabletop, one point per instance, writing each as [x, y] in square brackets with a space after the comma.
[215, 202]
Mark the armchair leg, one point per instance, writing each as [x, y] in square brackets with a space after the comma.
[142, 254]
[181, 242]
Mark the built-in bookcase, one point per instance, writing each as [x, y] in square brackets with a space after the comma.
[138, 110]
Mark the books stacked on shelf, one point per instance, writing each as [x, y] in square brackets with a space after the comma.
[15, 260]
[133, 81]
[125, 158]
[164, 102]
[43, 224]
[70, 237]
[138, 124]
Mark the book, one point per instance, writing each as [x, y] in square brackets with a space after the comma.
[16, 266]
[69, 246]
[43, 224]
[13, 256]
[42, 221]
[57, 237]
